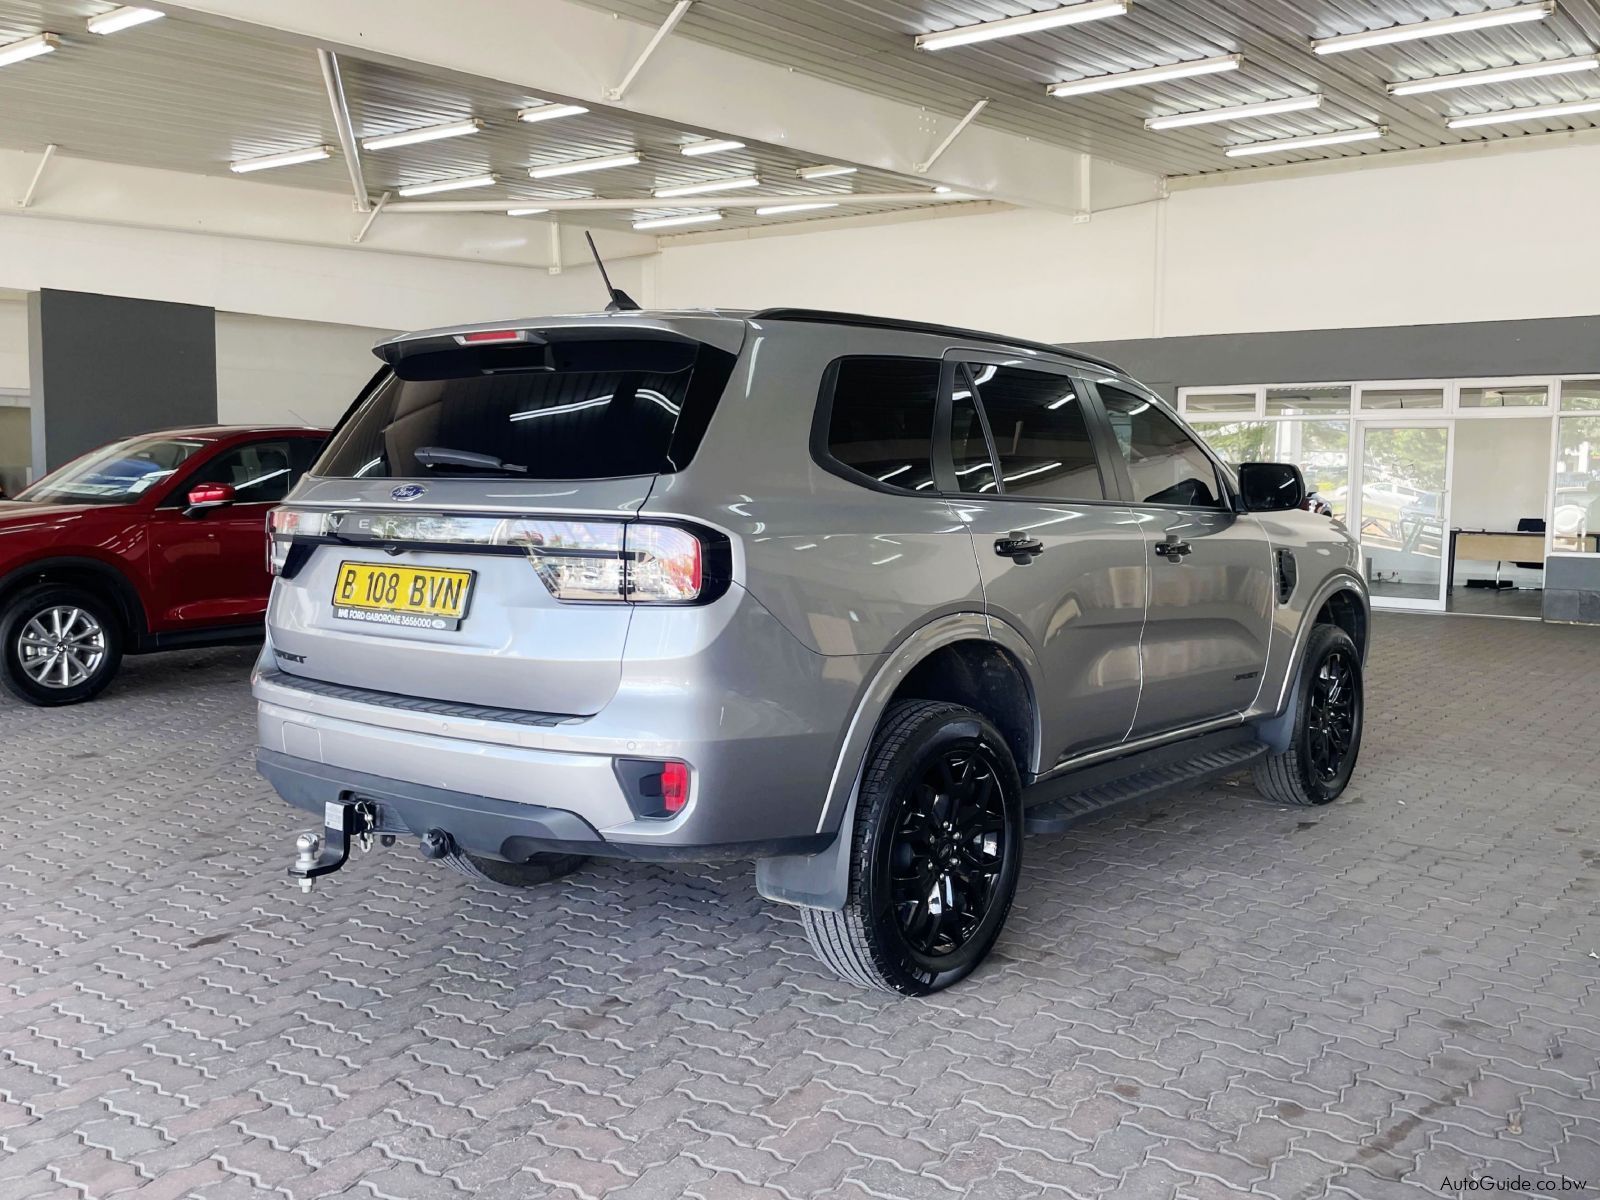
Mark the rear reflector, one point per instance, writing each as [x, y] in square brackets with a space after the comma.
[674, 787]
[656, 790]
[490, 337]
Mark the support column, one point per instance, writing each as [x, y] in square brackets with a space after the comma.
[106, 367]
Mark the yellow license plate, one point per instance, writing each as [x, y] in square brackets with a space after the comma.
[408, 597]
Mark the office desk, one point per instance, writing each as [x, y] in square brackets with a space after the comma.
[1482, 545]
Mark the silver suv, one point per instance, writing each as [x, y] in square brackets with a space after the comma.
[862, 600]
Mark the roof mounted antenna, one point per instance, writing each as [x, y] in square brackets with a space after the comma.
[620, 300]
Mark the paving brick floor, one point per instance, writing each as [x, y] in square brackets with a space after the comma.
[1202, 996]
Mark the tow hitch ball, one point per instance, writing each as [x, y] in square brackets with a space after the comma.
[322, 854]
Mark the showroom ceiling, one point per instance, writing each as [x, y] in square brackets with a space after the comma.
[184, 96]
[199, 95]
[869, 44]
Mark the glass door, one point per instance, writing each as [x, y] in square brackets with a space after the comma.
[1401, 508]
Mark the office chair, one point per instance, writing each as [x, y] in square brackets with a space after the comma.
[1531, 525]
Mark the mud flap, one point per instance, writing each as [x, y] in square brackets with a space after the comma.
[819, 880]
[1278, 732]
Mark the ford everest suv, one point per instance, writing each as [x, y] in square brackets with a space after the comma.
[859, 599]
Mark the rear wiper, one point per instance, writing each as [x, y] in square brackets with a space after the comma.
[465, 460]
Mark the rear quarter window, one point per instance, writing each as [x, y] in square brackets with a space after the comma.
[880, 415]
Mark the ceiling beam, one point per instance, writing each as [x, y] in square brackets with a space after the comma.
[334, 82]
[563, 50]
[33, 184]
[697, 203]
[667, 26]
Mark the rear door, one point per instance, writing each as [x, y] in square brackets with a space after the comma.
[209, 569]
[1211, 591]
[1027, 476]
[462, 537]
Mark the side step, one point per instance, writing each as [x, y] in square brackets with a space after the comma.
[1089, 793]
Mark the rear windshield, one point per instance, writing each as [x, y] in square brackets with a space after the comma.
[595, 410]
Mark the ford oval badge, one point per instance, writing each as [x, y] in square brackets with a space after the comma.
[409, 491]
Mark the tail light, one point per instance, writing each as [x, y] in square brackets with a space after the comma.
[638, 562]
[285, 525]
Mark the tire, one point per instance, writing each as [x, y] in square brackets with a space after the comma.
[898, 941]
[1313, 770]
[59, 644]
[541, 868]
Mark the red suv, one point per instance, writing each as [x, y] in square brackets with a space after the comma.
[153, 543]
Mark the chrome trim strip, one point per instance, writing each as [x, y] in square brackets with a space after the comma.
[1148, 742]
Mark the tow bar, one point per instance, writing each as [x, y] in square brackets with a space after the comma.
[322, 854]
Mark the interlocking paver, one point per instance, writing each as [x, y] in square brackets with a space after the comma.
[1201, 997]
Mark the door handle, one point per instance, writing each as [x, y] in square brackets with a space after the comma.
[1174, 548]
[1018, 547]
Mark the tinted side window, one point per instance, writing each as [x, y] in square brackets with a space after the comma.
[1165, 464]
[968, 446]
[881, 419]
[1041, 435]
[259, 473]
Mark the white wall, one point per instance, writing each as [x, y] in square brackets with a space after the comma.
[282, 279]
[14, 343]
[1502, 472]
[272, 371]
[1485, 235]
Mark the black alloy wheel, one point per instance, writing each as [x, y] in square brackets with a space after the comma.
[1331, 716]
[1315, 766]
[945, 857]
[935, 853]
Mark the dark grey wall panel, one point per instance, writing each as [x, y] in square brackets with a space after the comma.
[1555, 346]
[104, 367]
[1572, 589]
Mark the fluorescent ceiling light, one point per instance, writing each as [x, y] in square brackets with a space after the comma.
[1055, 18]
[289, 158]
[428, 133]
[1540, 113]
[15, 52]
[549, 112]
[711, 185]
[1445, 83]
[690, 219]
[1427, 29]
[525, 212]
[122, 18]
[1236, 112]
[583, 164]
[1307, 143]
[1126, 79]
[773, 210]
[824, 171]
[943, 190]
[710, 146]
[448, 185]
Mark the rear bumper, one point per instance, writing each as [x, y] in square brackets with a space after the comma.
[755, 714]
[483, 825]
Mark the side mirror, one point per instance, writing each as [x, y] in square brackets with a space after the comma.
[1271, 487]
[207, 496]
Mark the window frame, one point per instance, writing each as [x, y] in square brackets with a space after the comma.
[822, 420]
[1101, 438]
[1227, 485]
[1555, 411]
[178, 497]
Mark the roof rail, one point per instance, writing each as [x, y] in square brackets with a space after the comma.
[862, 321]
